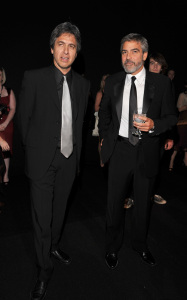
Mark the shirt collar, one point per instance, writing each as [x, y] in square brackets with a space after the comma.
[59, 75]
[140, 77]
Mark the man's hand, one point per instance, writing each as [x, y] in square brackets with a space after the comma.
[146, 126]
[168, 144]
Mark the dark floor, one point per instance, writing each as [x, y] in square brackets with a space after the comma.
[88, 277]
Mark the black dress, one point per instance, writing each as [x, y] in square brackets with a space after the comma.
[2, 164]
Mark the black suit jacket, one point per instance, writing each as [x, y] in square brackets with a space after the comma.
[158, 104]
[39, 117]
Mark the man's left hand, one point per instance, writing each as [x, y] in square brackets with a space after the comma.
[146, 126]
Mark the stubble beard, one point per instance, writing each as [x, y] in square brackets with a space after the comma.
[132, 69]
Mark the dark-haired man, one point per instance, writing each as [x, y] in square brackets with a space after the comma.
[52, 106]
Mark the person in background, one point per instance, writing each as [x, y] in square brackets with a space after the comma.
[181, 145]
[8, 109]
[100, 93]
[52, 106]
[132, 159]
[3, 147]
[98, 98]
[157, 64]
[171, 74]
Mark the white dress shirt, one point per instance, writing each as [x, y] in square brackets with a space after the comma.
[140, 84]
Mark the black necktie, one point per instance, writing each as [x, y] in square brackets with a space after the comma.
[132, 109]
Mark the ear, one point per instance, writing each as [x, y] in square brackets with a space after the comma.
[145, 54]
[51, 50]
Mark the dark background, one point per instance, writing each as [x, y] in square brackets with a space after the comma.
[26, 28]
[26, 31]
[24, 44]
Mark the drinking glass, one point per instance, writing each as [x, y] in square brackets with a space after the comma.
[136, 116]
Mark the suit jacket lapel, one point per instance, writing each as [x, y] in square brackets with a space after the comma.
[53, 87]
[74, 92]
[149, 91]
[118, 93]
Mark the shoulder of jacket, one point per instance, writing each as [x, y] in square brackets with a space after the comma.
[156, 76]
[80, 77]
[115, 78]
[37, 71]
[117, 75]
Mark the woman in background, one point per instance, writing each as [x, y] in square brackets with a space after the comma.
[8, 102]
[3, 147]
[98, 98]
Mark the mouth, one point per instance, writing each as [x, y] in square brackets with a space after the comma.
[129, 63]
[64, 59]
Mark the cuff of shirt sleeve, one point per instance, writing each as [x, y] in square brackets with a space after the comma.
[152, 129]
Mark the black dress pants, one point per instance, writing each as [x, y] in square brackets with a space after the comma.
[49, 196]
[127, 164]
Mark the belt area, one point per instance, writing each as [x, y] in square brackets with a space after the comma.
[122, 138]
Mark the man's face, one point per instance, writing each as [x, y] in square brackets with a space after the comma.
[64, 52]
[154, 66]
[133, 57]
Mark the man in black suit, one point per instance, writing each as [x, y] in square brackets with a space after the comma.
[130, 158]
[51, 163]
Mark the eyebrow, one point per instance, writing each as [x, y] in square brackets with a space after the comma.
[154, 61]
[131, 49]
[63, 42]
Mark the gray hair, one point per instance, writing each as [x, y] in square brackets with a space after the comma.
[135, 37]
[65, 27]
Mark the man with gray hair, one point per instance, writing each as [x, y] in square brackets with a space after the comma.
[136, 108]
[51, 110]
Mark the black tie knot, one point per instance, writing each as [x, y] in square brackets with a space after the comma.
[133, 78]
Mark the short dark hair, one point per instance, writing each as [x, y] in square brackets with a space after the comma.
[158, 57]
[65, 27]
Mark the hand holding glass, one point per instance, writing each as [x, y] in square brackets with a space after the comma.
[136, 119]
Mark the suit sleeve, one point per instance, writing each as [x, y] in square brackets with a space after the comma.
[87, 95]
[168, 113]
[25, 106]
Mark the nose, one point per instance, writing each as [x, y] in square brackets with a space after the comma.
[66, 49]
[128, 55]
[156, 66]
